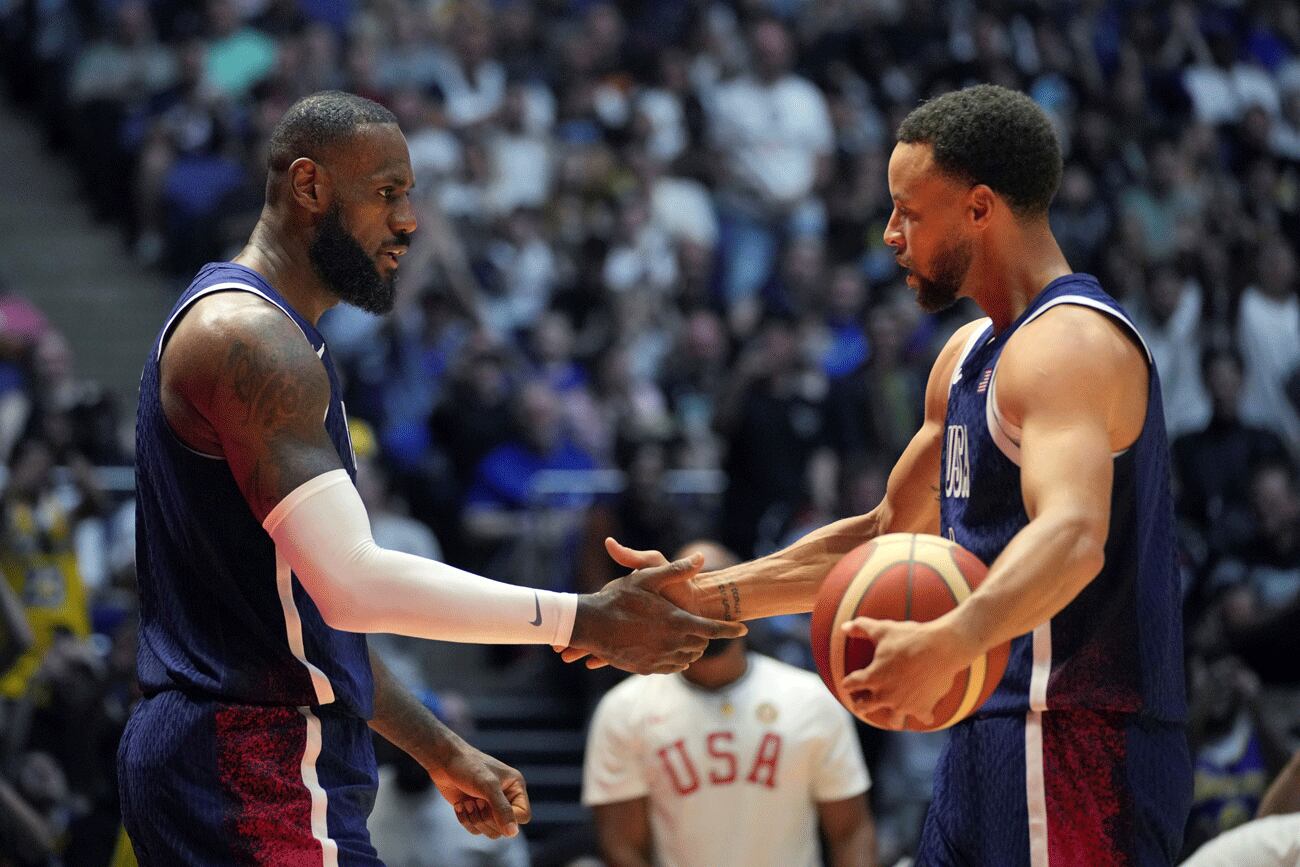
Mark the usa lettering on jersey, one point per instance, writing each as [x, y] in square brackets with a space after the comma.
[722, 763]
[957, 471]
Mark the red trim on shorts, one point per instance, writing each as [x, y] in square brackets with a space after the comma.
[266, 807]
[1089, 807]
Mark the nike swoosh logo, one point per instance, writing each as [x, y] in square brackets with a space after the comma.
[536, 621]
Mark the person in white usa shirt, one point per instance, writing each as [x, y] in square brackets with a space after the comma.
[735, 761]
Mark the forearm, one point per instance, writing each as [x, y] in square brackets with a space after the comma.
[405, 722]
[1042, 569]
[624, 854]
[857, 849]
[1283, 796]
[322, 531]
[787, 581]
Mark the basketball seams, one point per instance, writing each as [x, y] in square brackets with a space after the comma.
[845, 595]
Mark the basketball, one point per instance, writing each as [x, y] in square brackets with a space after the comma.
[901, 576]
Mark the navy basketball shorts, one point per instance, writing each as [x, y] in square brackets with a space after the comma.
[1059, 789]
[206, 782]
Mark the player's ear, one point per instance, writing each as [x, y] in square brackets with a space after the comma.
[309, 185]
[982, 202]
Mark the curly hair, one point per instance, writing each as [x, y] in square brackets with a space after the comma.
[318, 122]
[994, 136]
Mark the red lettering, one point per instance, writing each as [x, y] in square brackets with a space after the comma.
[692, 779]
[716, 741]
[769, 753]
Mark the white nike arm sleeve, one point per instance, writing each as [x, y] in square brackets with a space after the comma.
[323, 532]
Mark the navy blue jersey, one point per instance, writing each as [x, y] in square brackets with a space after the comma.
[221, 613]
[1118, 646]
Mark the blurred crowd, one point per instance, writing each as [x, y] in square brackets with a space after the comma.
[649, 298]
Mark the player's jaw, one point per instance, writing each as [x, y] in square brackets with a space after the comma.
[359, 278]
[939, 289]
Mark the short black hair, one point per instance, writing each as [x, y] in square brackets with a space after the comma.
[995, 136]
[318, 122]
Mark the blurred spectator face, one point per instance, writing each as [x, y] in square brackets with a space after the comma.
[1273, 496]
[1254, 127]
[705, 336]
[471, 36]
[487, 377]
[134, 25]
[780, 346]
[771, 50]
[848, 292]
[605, 29]
[925, 228]
[41, 781]
[29, 470]
[1077, 188]
[1164, 168]
[1223, 381]
[1277, 268]
[223, 18]
[1164, 292]
[539, 416]
[53, 359]
[885, 330]
[553, 338]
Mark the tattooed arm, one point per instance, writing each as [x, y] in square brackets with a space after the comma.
[240, 382]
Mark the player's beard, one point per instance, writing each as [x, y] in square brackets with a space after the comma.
[940, 291]
[347, 269]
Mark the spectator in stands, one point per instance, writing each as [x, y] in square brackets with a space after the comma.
[773, 133]
[1268, 332]
[1214, 465]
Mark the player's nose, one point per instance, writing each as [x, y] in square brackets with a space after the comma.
[403, 219]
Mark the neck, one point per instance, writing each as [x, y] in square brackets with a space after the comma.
[1011, 272]
[278, 252]
[718, 671]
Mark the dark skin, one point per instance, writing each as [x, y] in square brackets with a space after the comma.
[239, 382]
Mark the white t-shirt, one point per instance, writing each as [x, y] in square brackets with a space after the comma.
[772, 134]
[733, 775]
[1273, 841]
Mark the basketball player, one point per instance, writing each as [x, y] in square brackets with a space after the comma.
[734, 762]
[257, 569]
[1043, 452]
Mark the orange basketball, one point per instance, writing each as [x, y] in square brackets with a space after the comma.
[901, 576]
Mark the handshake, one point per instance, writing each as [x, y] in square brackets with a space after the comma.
[648, 622]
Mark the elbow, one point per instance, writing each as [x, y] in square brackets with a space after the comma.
[335, 604]
[1087, 543]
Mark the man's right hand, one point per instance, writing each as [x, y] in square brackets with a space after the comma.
[631, 625]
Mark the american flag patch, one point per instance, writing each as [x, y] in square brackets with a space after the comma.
[984, 380]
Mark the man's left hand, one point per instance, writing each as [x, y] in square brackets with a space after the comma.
[914, 666]
[489, 796]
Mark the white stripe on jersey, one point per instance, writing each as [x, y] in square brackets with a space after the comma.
[293, 630]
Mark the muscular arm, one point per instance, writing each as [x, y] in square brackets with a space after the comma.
[850, 832]
[787, 581]
[240, 381]
[1068, 432]
[623, 831]
[1068, 436]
